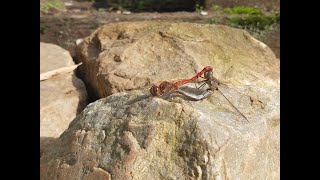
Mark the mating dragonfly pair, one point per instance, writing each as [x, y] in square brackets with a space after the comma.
[213, 83]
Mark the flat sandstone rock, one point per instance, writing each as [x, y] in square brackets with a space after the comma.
[53, 57]
[62, 97]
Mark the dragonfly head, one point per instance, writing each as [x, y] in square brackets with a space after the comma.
[208, 68]
[154, 90]
[208, 75]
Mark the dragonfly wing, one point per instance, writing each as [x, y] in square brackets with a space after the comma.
[195, 97]
[233, 105]
[234, 98]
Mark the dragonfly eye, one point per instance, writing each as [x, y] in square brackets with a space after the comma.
[208, 68]
[154, 90]
[208, 75]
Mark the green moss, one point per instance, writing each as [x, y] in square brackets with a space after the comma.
[42, 29]
[198, 8]
[277, 17]
[250, 19]
[259, 22]
[216, 20]
[258, 27]
[216, 8]
[48, 5]
[243, 10]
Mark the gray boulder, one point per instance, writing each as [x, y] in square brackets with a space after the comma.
[135, 136]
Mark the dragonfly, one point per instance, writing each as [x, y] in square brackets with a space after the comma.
[167, 87]
[213, 83]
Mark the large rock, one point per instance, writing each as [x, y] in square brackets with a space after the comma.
[133, 55]
[53, 57]
[135, 136]
[62, 97]
[131, 135]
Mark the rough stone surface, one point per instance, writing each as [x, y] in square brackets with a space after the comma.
[62, 97]
[133, 55]
[135, 136]
[53, 57]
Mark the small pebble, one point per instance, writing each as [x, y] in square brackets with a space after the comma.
[68, 3]
[78, 41]
[126, 12]
[204, 13]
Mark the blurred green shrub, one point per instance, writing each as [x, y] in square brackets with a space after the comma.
[243, 10]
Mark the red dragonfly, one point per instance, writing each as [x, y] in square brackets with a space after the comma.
[213, 83]
[169, 87]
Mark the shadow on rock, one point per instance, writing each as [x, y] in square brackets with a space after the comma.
[45, 142]
[82, 93]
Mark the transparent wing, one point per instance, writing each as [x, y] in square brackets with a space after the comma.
[231, 96]
[194, 96]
